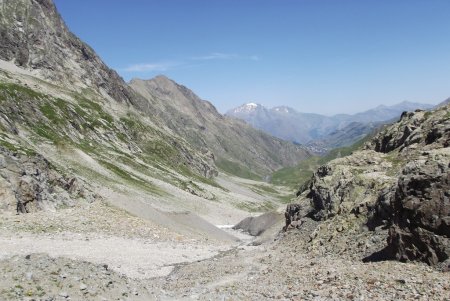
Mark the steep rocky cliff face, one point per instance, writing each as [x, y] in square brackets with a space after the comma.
[391, 199]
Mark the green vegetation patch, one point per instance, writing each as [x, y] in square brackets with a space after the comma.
[16, 148]
[264, 188]
[296, 176]
[236, 169]
[92, 112]
[49, 111]
[47, 132]
[132, 178]
[256, 207]
[17, 92]
[184, 170]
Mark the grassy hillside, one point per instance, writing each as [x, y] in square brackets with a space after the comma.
[236, 169]
[296, 176]
[82, 121]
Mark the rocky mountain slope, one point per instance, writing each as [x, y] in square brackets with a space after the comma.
[34, 37]
[317, 130]
[201, 125]
[102, 174]
[390, 199]
[66, 114]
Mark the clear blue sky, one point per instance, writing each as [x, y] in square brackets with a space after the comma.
[324, 56]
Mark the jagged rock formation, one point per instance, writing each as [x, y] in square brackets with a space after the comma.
[421, 211]
[419, 203]
[391, 199]
[292, 215]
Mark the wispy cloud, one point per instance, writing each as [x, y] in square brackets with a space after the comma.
[148, 67]
[225, 56]
[168, 65]
[215, 56]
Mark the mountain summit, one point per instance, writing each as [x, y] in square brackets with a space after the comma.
[248, 108]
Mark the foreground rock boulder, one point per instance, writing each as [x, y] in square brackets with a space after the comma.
[421, 210]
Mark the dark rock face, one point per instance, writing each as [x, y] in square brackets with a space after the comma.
[421, 213]
[419, 203]
[292, 215]
[29, 183]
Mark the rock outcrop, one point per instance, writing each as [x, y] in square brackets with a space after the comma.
[391, 199]
[421, 211]
[292, 215]
[419, 202]
[28, 183]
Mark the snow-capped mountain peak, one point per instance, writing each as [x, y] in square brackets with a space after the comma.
[247, 108]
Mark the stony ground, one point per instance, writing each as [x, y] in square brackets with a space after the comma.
[62, 259]
[282, 271]
[40, 277]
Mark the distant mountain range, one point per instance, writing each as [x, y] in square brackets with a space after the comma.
[319, 130]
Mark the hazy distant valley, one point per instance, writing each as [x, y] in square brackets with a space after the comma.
[143, 191]
[320, 131]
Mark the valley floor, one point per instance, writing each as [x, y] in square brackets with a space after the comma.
[99, 252]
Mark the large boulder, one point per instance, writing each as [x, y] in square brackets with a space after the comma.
[421, 210]
[256, 225]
